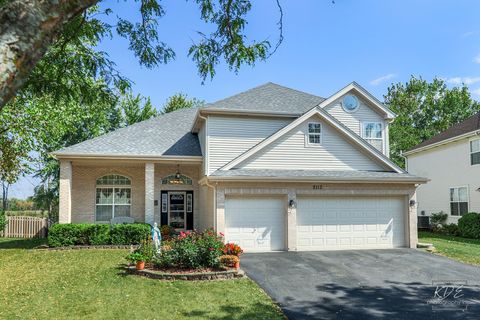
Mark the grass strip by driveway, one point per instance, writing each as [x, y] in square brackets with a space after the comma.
[457, 248]
[90, 284]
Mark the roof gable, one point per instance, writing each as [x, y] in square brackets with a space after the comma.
[346, 132]
[292, 151]
[362, 93]
[166, 135]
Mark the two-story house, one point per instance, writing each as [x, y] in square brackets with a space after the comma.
[272, 168]
[451, 160]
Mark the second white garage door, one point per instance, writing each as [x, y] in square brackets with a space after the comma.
[336, 223]
[255, 223]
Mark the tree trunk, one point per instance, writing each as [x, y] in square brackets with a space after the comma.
[5, 187]
[27, 29]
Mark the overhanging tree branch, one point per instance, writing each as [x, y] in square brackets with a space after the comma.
[27, 29]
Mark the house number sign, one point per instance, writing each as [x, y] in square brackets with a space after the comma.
[317, 187]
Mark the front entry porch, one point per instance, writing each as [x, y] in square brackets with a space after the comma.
[95, 191]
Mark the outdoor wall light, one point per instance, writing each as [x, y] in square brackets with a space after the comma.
[412, 203]
[292, 204]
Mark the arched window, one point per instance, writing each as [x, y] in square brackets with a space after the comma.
[113, 197]
[177, 178]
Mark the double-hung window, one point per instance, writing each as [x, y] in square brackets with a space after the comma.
[475, 152]
[458, 201]
[113, 197]
[373, 133]
[314, 133]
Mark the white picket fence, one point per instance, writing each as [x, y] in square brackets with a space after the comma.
[25, 227]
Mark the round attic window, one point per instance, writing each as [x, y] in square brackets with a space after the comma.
[350, 103]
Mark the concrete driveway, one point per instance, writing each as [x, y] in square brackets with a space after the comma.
[367, 284]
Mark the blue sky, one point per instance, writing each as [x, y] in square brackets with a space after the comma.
[326, 46]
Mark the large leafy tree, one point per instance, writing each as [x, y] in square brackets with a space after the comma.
[181, 101]
[423, 110]
[30, 27]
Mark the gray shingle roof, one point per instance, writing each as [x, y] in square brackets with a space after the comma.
[169, 134]
[165, 135]
[468, 125]
[269, 97]
[316, 174]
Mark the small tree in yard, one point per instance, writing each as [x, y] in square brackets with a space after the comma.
[3, 220]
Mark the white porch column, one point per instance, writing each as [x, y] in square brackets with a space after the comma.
[292, 221]
[149, 192]
[65, 205]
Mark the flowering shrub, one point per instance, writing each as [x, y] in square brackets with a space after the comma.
[167, 232]
[192, 250]
[232, 249]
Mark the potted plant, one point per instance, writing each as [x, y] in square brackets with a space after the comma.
[231, 261]
[138, 259]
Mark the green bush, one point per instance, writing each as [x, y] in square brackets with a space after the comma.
[3, 220]
[439, 218]
[449, 230]
[469, 225]
[129, 233]
[62, 235]
[192, 250]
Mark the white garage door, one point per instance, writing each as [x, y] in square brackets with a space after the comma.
[335, 223]
[256, 224]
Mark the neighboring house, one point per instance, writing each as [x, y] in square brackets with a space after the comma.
[451, 161]
[273, 168]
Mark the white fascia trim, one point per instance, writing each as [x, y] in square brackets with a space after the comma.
[329, 119]
[319, 180]
[440, 143]
[365, 94]
[126, 157]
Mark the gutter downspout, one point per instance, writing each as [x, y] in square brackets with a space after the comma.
[205, 168]
[405, 160]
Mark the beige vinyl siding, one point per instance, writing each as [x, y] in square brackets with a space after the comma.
[292, 152]
[203, 147]
[354, 120]
[201, 139]
[446, 166]
[229, 137]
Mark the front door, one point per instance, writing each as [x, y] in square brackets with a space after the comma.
[177, 210]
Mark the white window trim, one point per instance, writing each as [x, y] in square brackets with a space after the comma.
[345, 109]
[374, 122]
[113, 186]
[470, 149]
[307, 135]
[450, 201]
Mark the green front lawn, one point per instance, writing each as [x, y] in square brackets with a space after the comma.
[91, 284]
[458, 248]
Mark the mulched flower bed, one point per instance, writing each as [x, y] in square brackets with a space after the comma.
[187, 274]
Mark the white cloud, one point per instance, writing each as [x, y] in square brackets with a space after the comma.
[381, 79]
[477, 59]
[470, 33]
[476, 92]
[466, 80]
